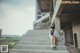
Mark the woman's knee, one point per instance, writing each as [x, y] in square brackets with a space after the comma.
[53, 36]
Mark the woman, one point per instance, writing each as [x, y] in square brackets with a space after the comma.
[52, 36]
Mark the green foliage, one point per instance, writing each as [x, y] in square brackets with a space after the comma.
[11, 45]
[12, 39]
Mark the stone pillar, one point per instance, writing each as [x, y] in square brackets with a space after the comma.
[57, 26]
[0, 32]
[36, 10]
[64, 36]
[54, 3]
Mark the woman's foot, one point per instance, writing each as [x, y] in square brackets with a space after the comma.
[51, 46]
[54, 45]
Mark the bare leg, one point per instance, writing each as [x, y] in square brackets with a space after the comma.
[54, 40]
[51, 41]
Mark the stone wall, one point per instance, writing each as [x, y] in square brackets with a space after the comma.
[76, 29]
[42, 26]
[0, 32]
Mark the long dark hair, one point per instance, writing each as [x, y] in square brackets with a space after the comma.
[52, 27]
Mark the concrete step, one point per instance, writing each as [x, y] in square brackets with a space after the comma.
[37, 36]
[39, 47]
[37, 43]
[46, 37]
[46, 40]
[37, 51]
[38, 33]
[39, 40]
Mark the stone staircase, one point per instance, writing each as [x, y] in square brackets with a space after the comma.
[37, 41]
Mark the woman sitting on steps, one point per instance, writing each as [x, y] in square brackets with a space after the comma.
[52, 37]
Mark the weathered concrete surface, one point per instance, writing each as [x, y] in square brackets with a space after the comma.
[73, 49]
[76, 29]
[37, 41]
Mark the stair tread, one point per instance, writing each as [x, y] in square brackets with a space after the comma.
[40, 50]
[39, 45]
[37, 41]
